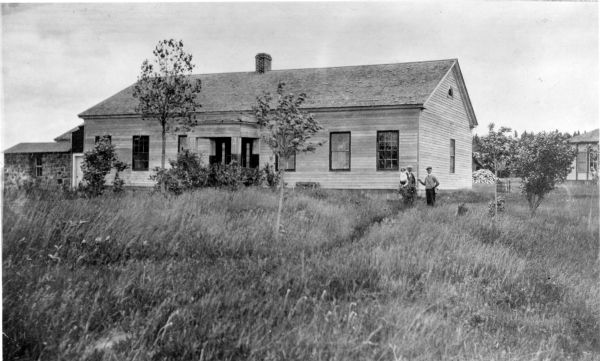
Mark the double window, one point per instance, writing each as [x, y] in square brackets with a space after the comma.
[387, 150]
[140, 154]
[339, 151]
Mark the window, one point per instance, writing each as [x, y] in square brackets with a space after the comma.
[593, 154]
[289, 164]
[387, 150]
[140, 152]
[38, 166]
[339, 151]
[452, 155]
[182, 143]
[450, 93]
[108, 137]
[582, 160]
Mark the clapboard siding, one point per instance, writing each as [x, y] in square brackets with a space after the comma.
[310, 167]
[575, 174]
[445, 118]
[122, 131]
[363, 126]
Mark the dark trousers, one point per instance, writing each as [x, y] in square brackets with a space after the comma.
[430, 194]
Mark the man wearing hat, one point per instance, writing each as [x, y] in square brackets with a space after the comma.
[431, 183]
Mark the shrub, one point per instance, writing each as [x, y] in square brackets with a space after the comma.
[271, 176]
[492, 207]
[97, 163]
[118, 182]
[15, 178]
[225, 176]
[187, 173]
[167, 178]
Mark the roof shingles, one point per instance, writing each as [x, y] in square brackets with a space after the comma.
[589, 137]
[52, 147]
[364, 85]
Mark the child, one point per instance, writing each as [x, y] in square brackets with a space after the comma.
[403, 177]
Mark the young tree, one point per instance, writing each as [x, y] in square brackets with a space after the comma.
[542, 160]
[165, 91]
[495, 148]
[286, 129]
[496, 151]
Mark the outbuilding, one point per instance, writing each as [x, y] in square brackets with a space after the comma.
[585, 165]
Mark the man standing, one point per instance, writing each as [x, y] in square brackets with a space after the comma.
[431, 183]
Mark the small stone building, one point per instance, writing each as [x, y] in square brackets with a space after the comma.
[47, 164]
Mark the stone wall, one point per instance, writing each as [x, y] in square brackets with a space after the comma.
[56, 167]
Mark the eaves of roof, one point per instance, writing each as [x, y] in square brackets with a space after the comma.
[52, 147]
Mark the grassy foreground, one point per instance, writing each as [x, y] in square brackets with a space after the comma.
[355, 277]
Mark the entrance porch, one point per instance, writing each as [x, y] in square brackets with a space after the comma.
[226, 150]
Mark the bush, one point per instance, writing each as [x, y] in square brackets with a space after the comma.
[271, 176]
[15, 178]
[187, 173]
[118, 182]
[97, 163]
[492, 207]
[225, 176]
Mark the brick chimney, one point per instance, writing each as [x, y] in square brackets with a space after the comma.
[263, 62]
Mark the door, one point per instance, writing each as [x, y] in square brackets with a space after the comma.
[77, 172]
[247, 152]
[222, 150]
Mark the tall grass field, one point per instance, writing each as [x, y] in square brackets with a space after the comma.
[355, 276]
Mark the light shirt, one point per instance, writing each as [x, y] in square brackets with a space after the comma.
[403, 177]
[431, 181]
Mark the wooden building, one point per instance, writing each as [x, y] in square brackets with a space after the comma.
[585, 165]
[376, 119]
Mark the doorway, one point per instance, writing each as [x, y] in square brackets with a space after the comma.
[247, 152]
[222, 151]
[77, 171]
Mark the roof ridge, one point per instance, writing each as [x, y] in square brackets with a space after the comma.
[350, 85]
[329, 67]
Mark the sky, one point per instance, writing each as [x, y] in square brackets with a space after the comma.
[531, 66]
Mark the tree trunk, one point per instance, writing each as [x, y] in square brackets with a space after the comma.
[162, 158]
[280, 208]
[164, 146]
[496, 189]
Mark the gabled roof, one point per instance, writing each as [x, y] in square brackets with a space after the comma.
[52, 147]
[66, 136]
[348, 86]
[589, 137]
